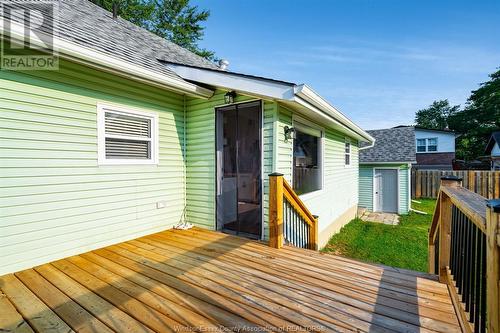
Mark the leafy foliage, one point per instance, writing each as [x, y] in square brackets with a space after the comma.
[178, 22]
[138, 12]
[175, 20]
[478, 119]
[474, 123]
[436, 115]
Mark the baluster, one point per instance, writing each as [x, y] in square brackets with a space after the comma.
[460, 281]
[287, 221]
[289, 227]
[465, 293]
[458, 276]
[295, 228]
[483, 286]
[303, 233]
[472, 300]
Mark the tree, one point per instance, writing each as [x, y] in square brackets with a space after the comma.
[179, 22]
[436, 115]
[138, 12]
[175, 20]
[478, 119]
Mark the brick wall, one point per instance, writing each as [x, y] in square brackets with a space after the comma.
[435, 159]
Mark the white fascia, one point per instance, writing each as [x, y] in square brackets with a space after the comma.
[96, 59]
[292, 95]
[306, 93]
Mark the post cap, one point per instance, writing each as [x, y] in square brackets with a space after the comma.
[275, 174]
[494, 204]
[449, 177]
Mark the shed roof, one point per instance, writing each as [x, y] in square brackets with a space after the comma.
[391, 145]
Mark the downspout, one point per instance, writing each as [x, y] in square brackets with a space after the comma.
[184, 149]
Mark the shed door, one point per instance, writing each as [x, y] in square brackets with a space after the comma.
[386, 190]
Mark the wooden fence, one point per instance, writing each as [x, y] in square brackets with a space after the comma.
[425, 183]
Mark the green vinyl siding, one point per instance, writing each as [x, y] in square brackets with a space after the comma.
[55, 200]
[200, 157]
[366, 185]
[339, 192]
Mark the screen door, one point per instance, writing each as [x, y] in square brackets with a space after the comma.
[239, 166]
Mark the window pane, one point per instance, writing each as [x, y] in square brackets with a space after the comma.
[119, 124]
[347, 159]
[421, 145]
[127, 149]
[306, 172]
[347, 147]
[431, 148]
[432, 142]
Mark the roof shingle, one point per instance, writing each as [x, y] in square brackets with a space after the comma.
[391, 145]
[88, 25]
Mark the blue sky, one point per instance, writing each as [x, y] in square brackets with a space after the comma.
[377, 61]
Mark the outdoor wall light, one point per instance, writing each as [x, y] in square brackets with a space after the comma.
[229, 97]
[289, 133]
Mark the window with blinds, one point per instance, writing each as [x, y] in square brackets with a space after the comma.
[127, 137]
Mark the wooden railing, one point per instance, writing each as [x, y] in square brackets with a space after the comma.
[290, 222]
[464, 249]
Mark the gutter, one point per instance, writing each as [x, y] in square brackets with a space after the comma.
[100, 60]
[371, 145]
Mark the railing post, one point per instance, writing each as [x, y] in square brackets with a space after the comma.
[276, 210]
[445, 227]
[314, 234]
[493, 266]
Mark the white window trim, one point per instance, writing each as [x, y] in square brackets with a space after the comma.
[101, 135]
[427, 145]
[347, 140]
[306, 123]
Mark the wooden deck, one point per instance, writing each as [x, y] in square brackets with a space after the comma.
[206, 281]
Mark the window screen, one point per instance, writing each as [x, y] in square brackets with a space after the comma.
[421, 145]
[306, 162]
[127, 137]
[347, 153]
[432, 144]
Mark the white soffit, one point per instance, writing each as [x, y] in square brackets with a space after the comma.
[221, 79]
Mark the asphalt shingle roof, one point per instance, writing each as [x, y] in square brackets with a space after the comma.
[90, 26]
[391, 145]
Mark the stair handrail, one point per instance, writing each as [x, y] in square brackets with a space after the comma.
[280, 190]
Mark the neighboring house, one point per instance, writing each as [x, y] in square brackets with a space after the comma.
[385, 170]
[493, 150]
[435, 148]
[135, 134]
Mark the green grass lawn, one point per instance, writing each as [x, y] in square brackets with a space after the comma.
[404, 245]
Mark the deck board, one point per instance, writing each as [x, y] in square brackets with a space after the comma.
[203, 280]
